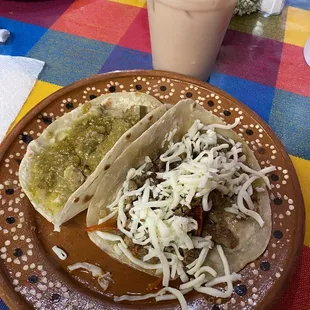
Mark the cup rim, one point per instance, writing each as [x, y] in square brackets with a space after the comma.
[195, 5]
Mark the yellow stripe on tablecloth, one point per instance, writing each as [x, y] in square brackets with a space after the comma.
[40, 91]
[302, 167]
[138, 3]
[297, 29]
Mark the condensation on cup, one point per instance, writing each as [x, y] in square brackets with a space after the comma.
[186, 35]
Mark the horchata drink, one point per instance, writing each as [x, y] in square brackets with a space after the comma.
[186, 35]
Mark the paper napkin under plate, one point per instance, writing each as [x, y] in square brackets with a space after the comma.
[18, 75]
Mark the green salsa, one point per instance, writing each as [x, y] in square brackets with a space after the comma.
[63, 166]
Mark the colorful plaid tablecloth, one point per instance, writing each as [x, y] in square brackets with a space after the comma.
[260, 63]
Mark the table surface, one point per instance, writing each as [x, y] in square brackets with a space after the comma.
[260, 63]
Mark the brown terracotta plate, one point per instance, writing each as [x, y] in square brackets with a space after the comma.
[32, 276]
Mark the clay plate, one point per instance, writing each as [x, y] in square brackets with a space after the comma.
[32, 276]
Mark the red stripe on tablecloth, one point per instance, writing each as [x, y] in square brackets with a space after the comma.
[297, 296]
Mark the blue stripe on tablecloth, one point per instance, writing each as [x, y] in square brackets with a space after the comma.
[256, 96]
[302, 4]
[3, 306]
[20, 41]
[69, 58]
[122, 58]
[289, 118]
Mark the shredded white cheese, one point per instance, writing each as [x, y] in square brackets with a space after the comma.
[207, 269]
[171, 296]
[111, 237]
[103, 279]
[135, 298]
[138, 261]
[158, 296]
[178, 294]
[194, 282]
[108, 217]
[192, 168]
[93, 269]
[60, 252]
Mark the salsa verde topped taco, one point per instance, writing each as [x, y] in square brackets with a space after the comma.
[60, 169]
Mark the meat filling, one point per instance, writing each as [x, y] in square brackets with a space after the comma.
[213, 222]
[190, 255]
[216, 221]
[139, 251]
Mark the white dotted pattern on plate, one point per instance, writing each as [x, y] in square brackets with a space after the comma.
[18, 248]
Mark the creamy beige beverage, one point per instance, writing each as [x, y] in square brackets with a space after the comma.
[186, 35]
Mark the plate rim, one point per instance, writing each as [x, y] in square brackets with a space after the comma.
[15, 301]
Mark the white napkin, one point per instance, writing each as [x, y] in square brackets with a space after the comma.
[17, 78]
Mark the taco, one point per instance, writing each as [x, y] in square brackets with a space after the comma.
[187, 200]
[60, 169]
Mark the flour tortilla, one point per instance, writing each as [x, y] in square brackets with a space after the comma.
[80, 199]
[252, 238]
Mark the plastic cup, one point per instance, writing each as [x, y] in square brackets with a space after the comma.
[186, 35]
